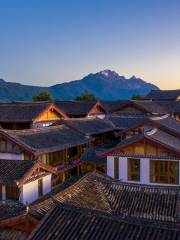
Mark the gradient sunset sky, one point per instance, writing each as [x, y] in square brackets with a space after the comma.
[44, 42]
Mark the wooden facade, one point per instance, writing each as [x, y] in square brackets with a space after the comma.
[65, 156]
[48, 116]
[164, 172]
[97, 109]
[25, 115]
[147, 147]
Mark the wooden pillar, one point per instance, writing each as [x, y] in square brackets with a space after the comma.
[63, 177]
[3, 192]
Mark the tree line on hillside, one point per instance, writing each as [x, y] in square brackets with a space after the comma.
[46, 96]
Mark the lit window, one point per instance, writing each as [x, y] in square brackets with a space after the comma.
[133, 169]
[164, 172]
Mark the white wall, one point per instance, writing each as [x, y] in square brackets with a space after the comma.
[110, 166]
[29, 192]
[144, 171]
[123, 168]
[46, 184]
[11, 156]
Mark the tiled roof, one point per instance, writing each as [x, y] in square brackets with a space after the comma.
[76, 108]
[13, 170]
[169, 124]
[136, 155]
[89, 126]
[125, 123]
[112, 106]
[66, 222]
[90, 156]
[165, 139]
[49, 139]
[21, 112]
[158, 136]
[170, 107]
[82, 191]
[143, 201]
[10, 209]
[12, 234]
[95, 191]
[164, 94]
[153, 107]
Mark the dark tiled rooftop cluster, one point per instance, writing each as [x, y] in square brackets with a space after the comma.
[158, 107]
[95, 191]
[66, 222]
[90, 126]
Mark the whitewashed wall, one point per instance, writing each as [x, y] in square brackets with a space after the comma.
[46, 184]
[29, 192]
[110, 166]
[144, 169]
[123, 169]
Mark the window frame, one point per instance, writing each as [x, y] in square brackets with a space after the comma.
[131, 172]
[164, 172]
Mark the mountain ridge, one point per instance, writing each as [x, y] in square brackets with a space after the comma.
[106, 85]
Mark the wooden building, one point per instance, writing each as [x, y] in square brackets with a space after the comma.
[81, 109]
[149, 158]
[24, 181]
[57, 146]
[127, 126]
[24, 115]
[101, 130]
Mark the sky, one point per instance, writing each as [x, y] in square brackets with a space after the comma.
[45, 42]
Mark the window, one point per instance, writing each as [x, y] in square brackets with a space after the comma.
[54, 158]
[40, 187]
[133, 169]
[116, 168]
[73, 152]
[12, 192]
[164, 172]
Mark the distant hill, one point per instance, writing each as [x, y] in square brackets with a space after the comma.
[106, 85]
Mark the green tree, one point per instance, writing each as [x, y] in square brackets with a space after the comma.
[86, 97]
[138, 97]
[42, 96]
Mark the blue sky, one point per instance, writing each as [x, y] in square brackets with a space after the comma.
[44, 42]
